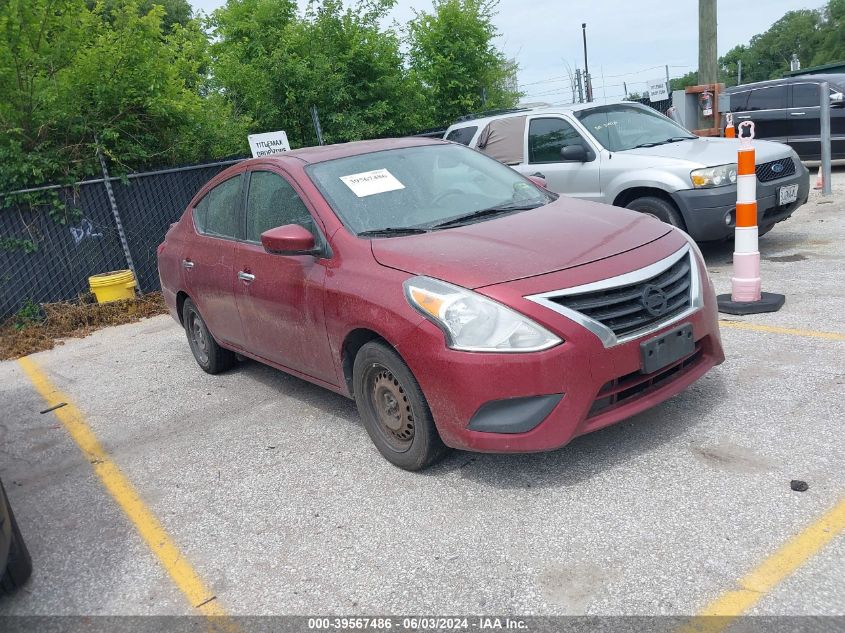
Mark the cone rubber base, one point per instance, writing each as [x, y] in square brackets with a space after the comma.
[769, 302]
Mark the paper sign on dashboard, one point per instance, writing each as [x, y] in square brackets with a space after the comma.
[368, 183]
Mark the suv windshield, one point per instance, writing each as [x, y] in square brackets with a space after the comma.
[620, 127]
[415, 189]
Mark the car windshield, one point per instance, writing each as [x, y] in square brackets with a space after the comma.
[621, 127]
[415, 189]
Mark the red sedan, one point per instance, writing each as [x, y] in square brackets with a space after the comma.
[459, 303]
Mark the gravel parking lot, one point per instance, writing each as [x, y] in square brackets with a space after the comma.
[274, 493]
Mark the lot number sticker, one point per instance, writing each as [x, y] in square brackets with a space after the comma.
[368, 183]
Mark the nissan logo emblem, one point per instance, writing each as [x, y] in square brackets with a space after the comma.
[654, 300]
[777, 168]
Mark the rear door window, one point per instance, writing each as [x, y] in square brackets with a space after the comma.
[805, 95]
[546, 137]
[772, 98]
[217, 213]
[462, 135]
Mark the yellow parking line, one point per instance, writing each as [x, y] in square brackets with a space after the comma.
[122, 491]
[719, 614]
[773, 329]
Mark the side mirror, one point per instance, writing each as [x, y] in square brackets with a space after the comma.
[837, 100]
[574, 154]
[290, 239]
[540, 181]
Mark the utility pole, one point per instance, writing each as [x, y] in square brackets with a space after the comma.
[708, 71]
[580, 85]
[739, 72]
[586, 66]
[668, 85]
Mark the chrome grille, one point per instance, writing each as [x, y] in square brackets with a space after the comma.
[775, 169]
[630, 308]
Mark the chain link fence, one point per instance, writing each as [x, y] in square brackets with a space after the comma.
[661, 106]
[48, 256]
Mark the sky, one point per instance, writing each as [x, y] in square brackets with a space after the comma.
[628, 41]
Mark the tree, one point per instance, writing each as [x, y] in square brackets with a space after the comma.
[832, 40]
[454, 59]
[679, 83]
[175, 11]
[768, 54]
[72, 77]
[275, 64]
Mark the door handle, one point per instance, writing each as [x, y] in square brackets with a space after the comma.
[245, 276]
[743, 117]
[797, 113]
[187, 264]
[539, 174]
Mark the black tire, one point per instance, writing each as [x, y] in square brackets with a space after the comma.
[209, 355]
[19, 563]
[662, 209]
[394, 410]
[764, 229]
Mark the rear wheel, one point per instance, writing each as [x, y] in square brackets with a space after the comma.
[209, 355]
[661, 209]
[394, 410]
[18, 564]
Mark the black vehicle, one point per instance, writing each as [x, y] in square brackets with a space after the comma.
[15, 563]
[787, 110]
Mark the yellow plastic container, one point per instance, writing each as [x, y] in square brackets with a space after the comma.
[113, 286]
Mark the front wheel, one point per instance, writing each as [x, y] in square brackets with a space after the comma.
[394, 410]
[661, 209]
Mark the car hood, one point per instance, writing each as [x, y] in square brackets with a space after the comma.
[559, 235]
[709, 152]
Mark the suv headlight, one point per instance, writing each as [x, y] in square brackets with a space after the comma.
[474, 323]
[714, 176]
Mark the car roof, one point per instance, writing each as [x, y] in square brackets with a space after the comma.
[323, 153]
[556, 109]
[836, 78]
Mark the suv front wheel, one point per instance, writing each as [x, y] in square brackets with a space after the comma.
[659, 208]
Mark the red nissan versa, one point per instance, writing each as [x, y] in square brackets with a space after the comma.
[456, 301]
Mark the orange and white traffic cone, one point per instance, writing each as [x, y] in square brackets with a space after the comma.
[730, 131]
[746, 296]
[819, 179]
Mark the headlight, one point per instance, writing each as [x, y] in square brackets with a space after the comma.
[474, 323]
[714, 176]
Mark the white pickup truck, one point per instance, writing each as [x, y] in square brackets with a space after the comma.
[630, 155]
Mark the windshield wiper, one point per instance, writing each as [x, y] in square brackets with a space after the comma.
[674, 139]
[393, 230]
[482, 213]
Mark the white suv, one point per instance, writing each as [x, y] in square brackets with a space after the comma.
[629, 155]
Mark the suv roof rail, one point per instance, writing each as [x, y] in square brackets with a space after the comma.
[478, 115]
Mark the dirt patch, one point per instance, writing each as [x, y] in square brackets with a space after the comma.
[56, 321]
[732, 458]
[798, 257]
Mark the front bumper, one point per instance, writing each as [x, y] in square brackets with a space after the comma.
[704, 210]
[587, 385]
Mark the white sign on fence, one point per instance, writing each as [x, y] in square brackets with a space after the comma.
[657, 90]
[268, 143]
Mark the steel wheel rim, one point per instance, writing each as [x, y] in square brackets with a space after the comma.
[198, 336]
[392, 408]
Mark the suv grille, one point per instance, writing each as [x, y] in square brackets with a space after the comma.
[626, 309]
[775, 169]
